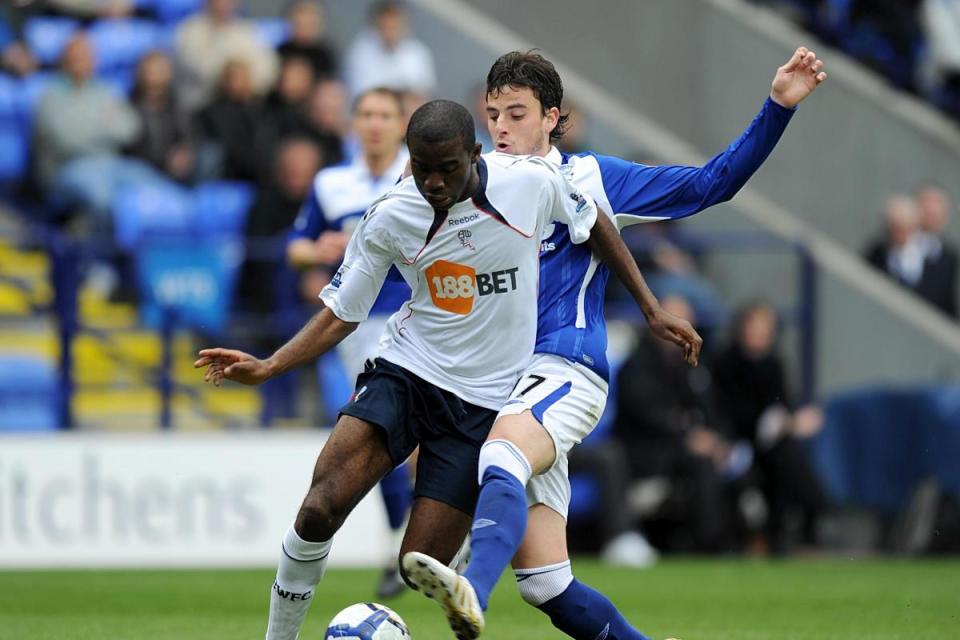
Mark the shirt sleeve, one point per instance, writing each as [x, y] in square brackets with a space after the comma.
[311, 220]
[566, 203]
[357, 283]
[680, 191]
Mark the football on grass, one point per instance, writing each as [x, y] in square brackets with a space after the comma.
[367, 621]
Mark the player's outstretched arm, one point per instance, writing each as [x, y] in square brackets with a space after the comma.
[606, 243]
[319, 335]
[797, 79]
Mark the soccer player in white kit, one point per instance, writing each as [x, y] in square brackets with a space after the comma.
[464, 233]
[338, 199]
[521, 512]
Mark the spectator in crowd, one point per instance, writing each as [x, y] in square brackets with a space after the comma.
[297, 162]
[388, 55]
[896, 20]
[752, 392]
[164, 141]
[80, 128]
[941, 21]
[327, 112]
[227, 127]
[939, 281]
[900, 254]
[91, 9]
[15, 57]
[284, 113]
[669, 426]
[207, 41]
[307, 21]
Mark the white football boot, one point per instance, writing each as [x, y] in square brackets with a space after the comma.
[453, 593]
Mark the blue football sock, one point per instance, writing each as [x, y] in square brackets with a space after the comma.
[586, 614]
[397, 496]
[498, 528]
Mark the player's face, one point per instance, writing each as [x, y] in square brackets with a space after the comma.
[378, 123]
[445, 172]
[517, 123]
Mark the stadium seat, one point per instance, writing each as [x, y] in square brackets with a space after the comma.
[222, 206]
[46, 37]
[189, 278]
[152, 210]
[31, 91]
[28, 389]
[119, 44]
[272, 31]
[9, 99]
[14, 153]
[174, 10]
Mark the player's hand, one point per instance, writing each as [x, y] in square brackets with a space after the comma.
[229, 364]
[330, 247]
[797, 79]
[669, 327]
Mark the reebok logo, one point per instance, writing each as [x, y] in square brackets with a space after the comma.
[483, 523]
[456, 222]
[290, 595]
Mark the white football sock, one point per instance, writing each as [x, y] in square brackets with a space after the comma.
[301, 566]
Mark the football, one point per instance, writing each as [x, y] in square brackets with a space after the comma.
[367, 621]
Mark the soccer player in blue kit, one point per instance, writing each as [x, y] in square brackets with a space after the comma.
[525, 492]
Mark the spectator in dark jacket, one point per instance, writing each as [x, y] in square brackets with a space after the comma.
[228, 126]
[164, 140]
[668, 424]
[939, 281]
[752, 392]
[306, 21]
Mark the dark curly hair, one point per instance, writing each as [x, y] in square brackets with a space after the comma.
[530, 69]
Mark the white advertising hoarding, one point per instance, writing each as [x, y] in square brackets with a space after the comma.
[166, 500]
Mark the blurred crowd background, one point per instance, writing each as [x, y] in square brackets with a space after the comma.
[154, 155]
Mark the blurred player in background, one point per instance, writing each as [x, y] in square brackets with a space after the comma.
[525, 491]
[339, 198]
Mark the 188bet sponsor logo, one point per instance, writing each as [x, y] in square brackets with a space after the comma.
[454, 287]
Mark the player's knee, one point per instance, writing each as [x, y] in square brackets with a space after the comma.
[320, 516]
[542, 584]
[504, 455]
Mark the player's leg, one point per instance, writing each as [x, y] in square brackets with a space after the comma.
[545, 579]
[353, 460]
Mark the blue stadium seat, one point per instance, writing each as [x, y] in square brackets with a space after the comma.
[189, 278]
[31, 91]
[120, 44]
[14, 153]
[272, 31]
[174, 10]
[222, 207]
[152, 210]
[28, 389]
[9, 99]
[47, 37]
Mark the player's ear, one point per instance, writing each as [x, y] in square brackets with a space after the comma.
[475, 154]
[553, 117]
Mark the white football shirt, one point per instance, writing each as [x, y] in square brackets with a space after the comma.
[471, 322]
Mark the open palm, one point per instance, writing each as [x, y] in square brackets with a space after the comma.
[798, 78]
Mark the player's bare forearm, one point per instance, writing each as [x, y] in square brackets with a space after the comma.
[323, 332]
[319, 335]
[608, 246]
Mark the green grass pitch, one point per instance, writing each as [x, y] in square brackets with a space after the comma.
[687, 599]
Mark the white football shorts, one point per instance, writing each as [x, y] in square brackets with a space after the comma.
[568, 399]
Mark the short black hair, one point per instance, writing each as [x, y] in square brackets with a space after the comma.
[531, 70]
[393, 94]
[387, 6]
[440, 121]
